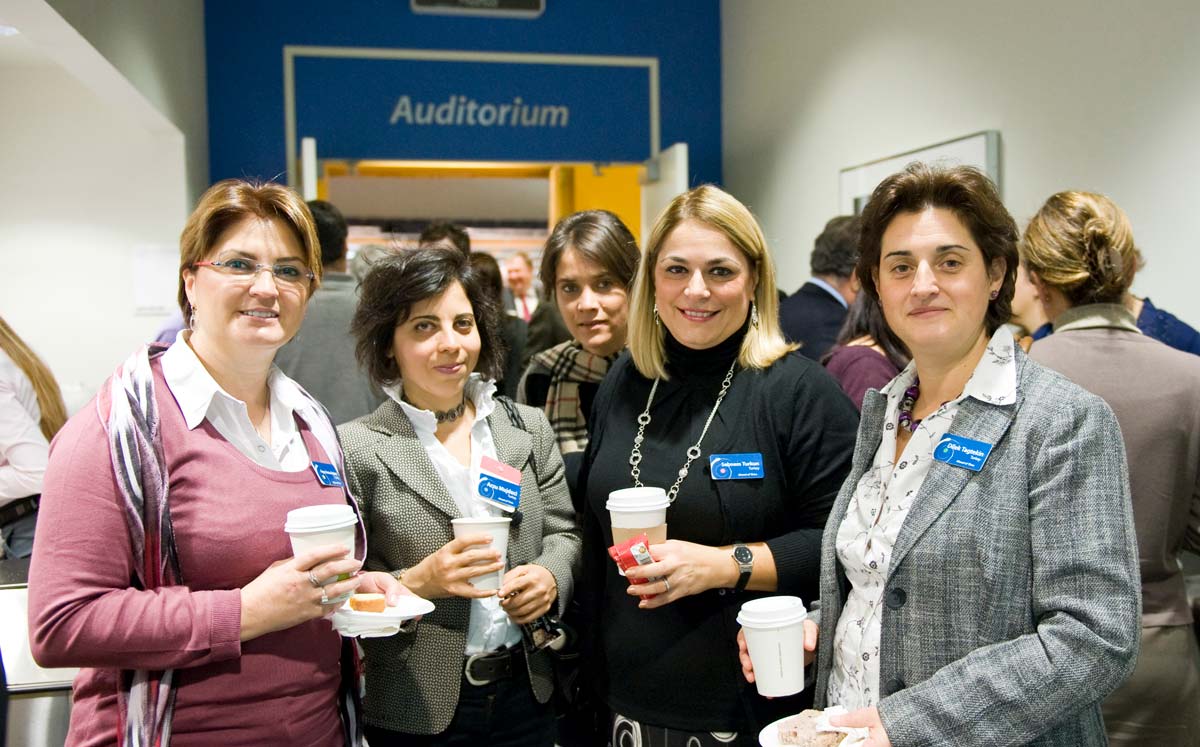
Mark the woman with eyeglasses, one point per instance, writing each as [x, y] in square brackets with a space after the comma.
[161, 566]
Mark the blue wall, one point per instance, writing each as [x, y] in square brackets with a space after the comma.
[245, 40]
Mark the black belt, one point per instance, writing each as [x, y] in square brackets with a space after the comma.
[17, 509]
[484, 669]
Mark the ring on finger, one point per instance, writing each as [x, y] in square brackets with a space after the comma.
[667, 583]
[324, 599]
[312, 579]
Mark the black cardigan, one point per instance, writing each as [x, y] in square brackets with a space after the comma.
[677, 666]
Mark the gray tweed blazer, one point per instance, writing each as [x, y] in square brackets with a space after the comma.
[412, 681]
[1013, 599]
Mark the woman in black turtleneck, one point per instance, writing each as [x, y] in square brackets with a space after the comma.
[704, 312]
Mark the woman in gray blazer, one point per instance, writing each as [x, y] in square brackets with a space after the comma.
[979, 580]
[1081, 257]
[427, 333]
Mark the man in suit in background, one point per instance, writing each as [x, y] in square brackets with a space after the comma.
[520, 297]
[813, 315]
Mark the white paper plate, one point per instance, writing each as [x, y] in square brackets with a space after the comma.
[769, 736]
[407, 609]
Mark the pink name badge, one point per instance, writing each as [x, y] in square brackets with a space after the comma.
[499, 484]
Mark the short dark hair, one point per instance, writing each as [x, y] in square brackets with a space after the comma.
[489, 273]
[331, 230]
[835, 251]
[964, 191]
[396, 284]
[598, 235]
[441, 232]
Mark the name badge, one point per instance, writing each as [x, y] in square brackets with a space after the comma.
[499, 484]
[962, 452]
[736, 466]
[327, 474]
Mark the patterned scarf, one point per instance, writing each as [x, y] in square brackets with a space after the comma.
[127, 407]
[569, 366]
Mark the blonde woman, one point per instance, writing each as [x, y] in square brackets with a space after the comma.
[1081, 256]
[709, 374]
[31, 412]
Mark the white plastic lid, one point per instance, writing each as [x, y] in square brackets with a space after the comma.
[637, 499]
[772, 612]
[319, 518]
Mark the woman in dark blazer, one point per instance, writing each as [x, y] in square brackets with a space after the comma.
[427, 334]
[979, 580]
[1081, 257]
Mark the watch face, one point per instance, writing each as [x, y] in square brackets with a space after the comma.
[742, 554]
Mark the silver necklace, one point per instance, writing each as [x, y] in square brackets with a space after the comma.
[635, 456]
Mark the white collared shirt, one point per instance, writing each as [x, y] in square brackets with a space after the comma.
[200, 398]
[490, 627]
[887, 490]
[24, 451]
[830, 290]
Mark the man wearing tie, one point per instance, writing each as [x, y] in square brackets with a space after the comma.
[520, 300]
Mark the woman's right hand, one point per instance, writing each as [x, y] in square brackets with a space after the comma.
[284, 596]
[810, 646]
[446, 573]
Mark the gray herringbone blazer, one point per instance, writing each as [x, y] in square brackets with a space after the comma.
[1013, 598]
[413, 680]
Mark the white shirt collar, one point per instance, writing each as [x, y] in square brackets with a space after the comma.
[994, 380]
[479, 390]
[830, 290]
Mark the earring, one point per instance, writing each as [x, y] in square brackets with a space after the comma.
[191, 322]
[657, 321]
[995, 294]
[754, 315]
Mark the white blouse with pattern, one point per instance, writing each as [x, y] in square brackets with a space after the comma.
[877, 511]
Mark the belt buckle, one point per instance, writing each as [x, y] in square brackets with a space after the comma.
[467, 669]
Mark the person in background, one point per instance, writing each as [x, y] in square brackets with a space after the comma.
[979, 579]
[512, 330]
[587, 268]
[365, 258]
[1028, 316]
[31, 412]
[867, 355]
[813, 315]
[1161, 324]
[321, 358]
[707, 374]
[426, 330]
[449, 235]
[1080, 252]
[546, 329]
[160, 565]
[520, 297]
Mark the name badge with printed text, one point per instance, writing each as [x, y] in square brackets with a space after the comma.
[327, 474]
[736, 466]
[958, 451]
[499, 484]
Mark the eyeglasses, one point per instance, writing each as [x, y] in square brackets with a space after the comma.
[290, 274]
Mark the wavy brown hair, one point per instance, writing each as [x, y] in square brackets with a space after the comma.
[49, 397]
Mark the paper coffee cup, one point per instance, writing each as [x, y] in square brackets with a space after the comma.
[637, 510]
[774, 628]
[497, 527]
[327, 524]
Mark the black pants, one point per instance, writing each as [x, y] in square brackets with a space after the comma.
[501, 714]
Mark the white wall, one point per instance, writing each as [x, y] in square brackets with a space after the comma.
[1096, 96]
[84, 184]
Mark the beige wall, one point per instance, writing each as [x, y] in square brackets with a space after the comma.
[1098, 96]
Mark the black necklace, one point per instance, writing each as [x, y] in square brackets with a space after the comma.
[445, 416]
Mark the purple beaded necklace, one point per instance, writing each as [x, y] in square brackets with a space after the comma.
[907, 402]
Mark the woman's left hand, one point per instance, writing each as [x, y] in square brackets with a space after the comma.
[527, 591]
[682, 569]
[865, 718]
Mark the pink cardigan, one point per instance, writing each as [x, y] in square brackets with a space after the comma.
[228, 515]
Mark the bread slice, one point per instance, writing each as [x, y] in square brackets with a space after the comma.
[801, 729]
[368, 602]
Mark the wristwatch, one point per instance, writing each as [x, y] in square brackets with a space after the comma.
[745, 560]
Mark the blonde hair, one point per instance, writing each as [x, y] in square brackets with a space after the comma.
[229, 202]
[49, 398]
[764, 343]
[1081, 243]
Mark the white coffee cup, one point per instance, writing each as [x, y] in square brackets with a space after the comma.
[497, 527]
[638, 510]
[327, 524]
[774, 628]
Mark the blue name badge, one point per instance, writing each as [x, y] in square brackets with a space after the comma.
[736, 466]
[962, 452]
[499, 484]
[327, 474]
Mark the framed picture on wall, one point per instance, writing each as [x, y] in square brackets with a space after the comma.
[981, 150]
